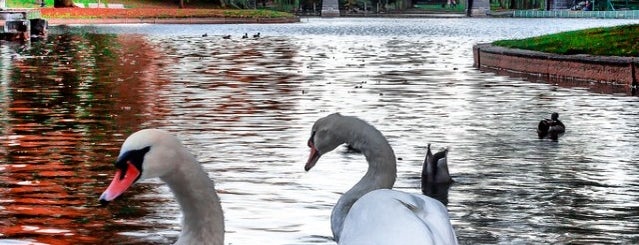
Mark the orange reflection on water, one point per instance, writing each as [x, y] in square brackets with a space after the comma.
[62, 123]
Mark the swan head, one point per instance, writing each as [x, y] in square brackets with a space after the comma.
[324, 138]
[144, 154]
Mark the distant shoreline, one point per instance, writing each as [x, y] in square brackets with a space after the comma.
[229, 20]
[98, 21]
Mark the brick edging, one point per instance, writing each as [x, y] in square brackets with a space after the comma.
[604, 69]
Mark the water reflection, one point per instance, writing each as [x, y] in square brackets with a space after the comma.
[245, 108]
[66, 101]
[596, 87]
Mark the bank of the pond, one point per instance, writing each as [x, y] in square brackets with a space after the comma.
[163, 16]
[613, 70]
[606, 54]
[216, 20]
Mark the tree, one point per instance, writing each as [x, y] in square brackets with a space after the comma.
[63, 4]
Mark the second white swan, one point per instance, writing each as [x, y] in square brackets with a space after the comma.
[371, 213]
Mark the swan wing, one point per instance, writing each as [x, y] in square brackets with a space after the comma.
[393, 217]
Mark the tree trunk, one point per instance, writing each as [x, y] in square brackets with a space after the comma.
[502, 5]
[63, 4]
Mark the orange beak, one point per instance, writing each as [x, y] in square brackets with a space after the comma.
[313, 157]
[120, 183]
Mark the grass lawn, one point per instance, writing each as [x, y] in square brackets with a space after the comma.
[609, 41]
[144, 9]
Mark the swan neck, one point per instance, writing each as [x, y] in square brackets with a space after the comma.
[381, 173]
[382, 166]
[203, 220]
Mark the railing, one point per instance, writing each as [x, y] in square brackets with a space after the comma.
[626, 14]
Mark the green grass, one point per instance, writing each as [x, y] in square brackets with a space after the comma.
[609, 41]
[255, 13]
[26, 3]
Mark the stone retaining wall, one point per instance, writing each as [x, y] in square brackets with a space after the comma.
[622, 71]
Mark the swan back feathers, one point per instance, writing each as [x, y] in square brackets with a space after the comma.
[392, 217]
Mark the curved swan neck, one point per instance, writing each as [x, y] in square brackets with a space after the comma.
[203, 220]
[381, 173]
[382, 166]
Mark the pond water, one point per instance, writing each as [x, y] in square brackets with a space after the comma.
[245, 107]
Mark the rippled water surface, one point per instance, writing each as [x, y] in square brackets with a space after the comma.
[245, 107]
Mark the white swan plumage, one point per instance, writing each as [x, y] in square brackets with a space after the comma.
[154, 153]
[371, 213]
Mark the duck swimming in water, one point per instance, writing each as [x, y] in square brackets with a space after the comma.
[551, 128]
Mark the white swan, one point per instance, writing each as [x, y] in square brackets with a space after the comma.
[370, 213]
[154, 153]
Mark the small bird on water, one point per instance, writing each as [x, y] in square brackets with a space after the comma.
[551, 128]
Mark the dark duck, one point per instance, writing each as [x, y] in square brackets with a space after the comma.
[551, 128]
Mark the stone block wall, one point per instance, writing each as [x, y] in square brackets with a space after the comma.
[602, 69]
